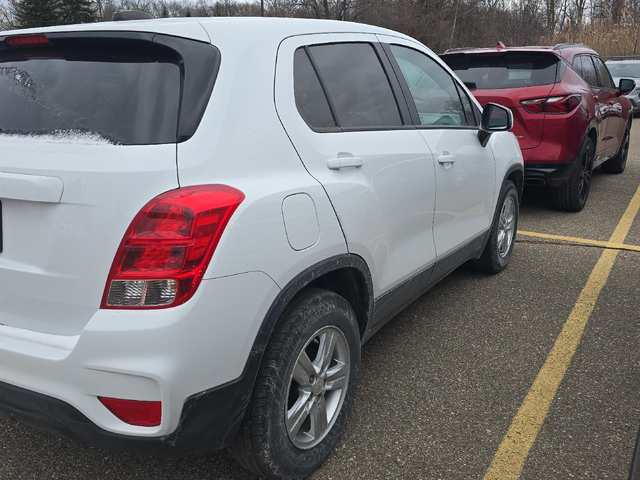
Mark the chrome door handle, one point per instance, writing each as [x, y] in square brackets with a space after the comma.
[344, 162]
[446, 159]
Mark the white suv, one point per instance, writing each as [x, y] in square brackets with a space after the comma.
[204, 219]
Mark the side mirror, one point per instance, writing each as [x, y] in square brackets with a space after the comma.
[626, 85]
[495, 118]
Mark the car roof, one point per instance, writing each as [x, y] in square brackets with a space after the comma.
[204, 28]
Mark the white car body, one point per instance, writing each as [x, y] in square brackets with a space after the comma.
[66, 206]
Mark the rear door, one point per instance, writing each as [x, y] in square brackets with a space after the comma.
[447, 120]
[87, 137]
[336, 100]
[616, 122]
[584, 66]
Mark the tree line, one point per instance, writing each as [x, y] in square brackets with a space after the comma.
[440, 24]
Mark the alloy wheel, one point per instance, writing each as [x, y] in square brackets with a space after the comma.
[584, 181]
[625, 147]
[506, 227]
[317, 387]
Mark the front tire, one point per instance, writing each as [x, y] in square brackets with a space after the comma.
[572, 196]
[304, 391]
[496, 254]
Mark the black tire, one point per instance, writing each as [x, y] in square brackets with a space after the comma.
[494, 259]
[263, 445]
[618, 163]
[573, 195]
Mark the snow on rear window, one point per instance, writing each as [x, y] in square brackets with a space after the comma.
[59, 137]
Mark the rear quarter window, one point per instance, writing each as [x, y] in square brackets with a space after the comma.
[504, 70]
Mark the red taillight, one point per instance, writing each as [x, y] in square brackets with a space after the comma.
[27, 41]
[560, 104]
[168, 246]
[134, 412]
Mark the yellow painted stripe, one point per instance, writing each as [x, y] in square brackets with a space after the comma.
[514, 449]
[586, 241]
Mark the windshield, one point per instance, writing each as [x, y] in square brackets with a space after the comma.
[123, 97]
[504, 70]
[624, 70]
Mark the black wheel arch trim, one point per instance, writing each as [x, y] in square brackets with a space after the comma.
[516, 167]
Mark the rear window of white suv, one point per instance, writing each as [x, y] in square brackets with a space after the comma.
[124, 96]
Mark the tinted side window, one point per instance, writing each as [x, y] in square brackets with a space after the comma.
[589, 71]
[432, 88]
[310, 98]
[357, 84]
[577, 65]
[604, 79]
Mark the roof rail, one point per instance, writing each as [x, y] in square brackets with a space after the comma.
[560, 46]
[124, 15]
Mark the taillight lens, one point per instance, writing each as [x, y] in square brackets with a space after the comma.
[168, 246]
[134, 412]
[559, 104]
[27, 41]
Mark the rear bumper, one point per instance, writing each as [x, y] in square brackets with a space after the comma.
[208, 422]
[192, 358]
[547, 174]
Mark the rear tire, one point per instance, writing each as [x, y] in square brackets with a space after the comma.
[320, 393]
[618, 163]
[496, 254]
[573, 195]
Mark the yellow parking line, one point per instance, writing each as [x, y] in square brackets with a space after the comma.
[514, 449]
[586, 241]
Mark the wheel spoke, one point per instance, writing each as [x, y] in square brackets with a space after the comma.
[298, 414]
[304, 370]
[319, 422]
[336, 377]
[325, 352]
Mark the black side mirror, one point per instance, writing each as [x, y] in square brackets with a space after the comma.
[626, 85]
[495, 118]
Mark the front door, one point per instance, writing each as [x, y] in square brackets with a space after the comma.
[465, 170]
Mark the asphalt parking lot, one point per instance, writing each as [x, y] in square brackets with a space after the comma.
[462, 385]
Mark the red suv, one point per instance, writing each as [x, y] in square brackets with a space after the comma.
[568, 114]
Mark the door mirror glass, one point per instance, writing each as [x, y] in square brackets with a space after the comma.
[496, 118]
[626, 85]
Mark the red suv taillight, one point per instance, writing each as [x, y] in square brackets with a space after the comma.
[560, 104]
[168, 246]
